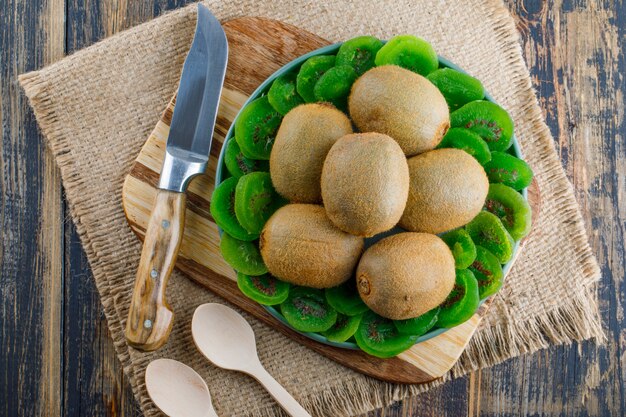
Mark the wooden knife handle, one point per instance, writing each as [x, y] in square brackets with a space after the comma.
[150, 317]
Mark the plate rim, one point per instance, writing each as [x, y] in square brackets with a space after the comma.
[260, 91]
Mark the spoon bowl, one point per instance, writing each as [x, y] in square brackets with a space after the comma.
[224, 336]
[178, 390]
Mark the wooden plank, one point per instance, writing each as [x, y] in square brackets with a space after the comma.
[575, 53]
[51, 239]
[30, 251]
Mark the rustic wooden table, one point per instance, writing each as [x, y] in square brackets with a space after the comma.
[57, 358]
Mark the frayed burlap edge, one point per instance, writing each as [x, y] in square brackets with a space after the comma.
[578, 319]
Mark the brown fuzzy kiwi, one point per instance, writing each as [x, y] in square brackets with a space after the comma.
[401, 104]
[447, 189]
[300, 245]
[305, 136]
[405, 275]
[365, 183]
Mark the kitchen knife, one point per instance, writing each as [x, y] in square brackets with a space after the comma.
[186, 155]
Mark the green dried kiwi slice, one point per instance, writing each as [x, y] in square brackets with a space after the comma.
[359, 53]
[344, 328]
[457, 88]
[462, 301]
[410, 52]
[418, 325]
[466, 140]
[256, 127]
[256, 201]
[264, 289]
[509, 170]
[238, 165]
[223, 210]
[283, 95]
[490, 121]
[334, 86]
[511, 208]
[310, 72]
[345, 299]
[379, 336]
[243, 256]
[462, 247]
[487, 230]
[487, 271]
[306, 310]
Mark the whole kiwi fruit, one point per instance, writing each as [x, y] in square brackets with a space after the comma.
[447, 189]
[365, 183]
[305, 136]
[300, 245]
[405, 275]
[401, 104]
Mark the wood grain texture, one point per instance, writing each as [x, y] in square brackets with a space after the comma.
[150, 317]
[574, 50]
[32, 218]
[200, 255]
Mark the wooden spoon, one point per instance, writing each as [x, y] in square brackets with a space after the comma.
[178, 390]
[227, 340]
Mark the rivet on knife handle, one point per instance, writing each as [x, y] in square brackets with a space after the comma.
[150, 317]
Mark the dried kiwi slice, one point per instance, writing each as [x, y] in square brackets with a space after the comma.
[310, 72]
[223, 210]
[462, 247]
[488, 120]
[238, 165]
[487, 230]
[256, 201]
[359, 53]
[256, 127]
[379, 336]
[457, 88]
[264, 289]
[334, 86]
[508, 170]
[468, 141]
[343, 329]
[418, 325]
[306, 309]
[283, 95]
[243, 256]
[345, 299]
[487, 271]
[410, 52]
[511, 208]
[462, 302]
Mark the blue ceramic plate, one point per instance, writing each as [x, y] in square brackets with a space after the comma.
[222, 173]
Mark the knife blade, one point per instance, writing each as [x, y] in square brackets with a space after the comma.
[187, 151]
[191, 130]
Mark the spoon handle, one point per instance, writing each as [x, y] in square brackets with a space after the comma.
[280, 394]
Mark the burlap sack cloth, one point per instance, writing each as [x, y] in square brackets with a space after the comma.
[97, 107]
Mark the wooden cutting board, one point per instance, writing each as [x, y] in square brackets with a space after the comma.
[259, 47]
